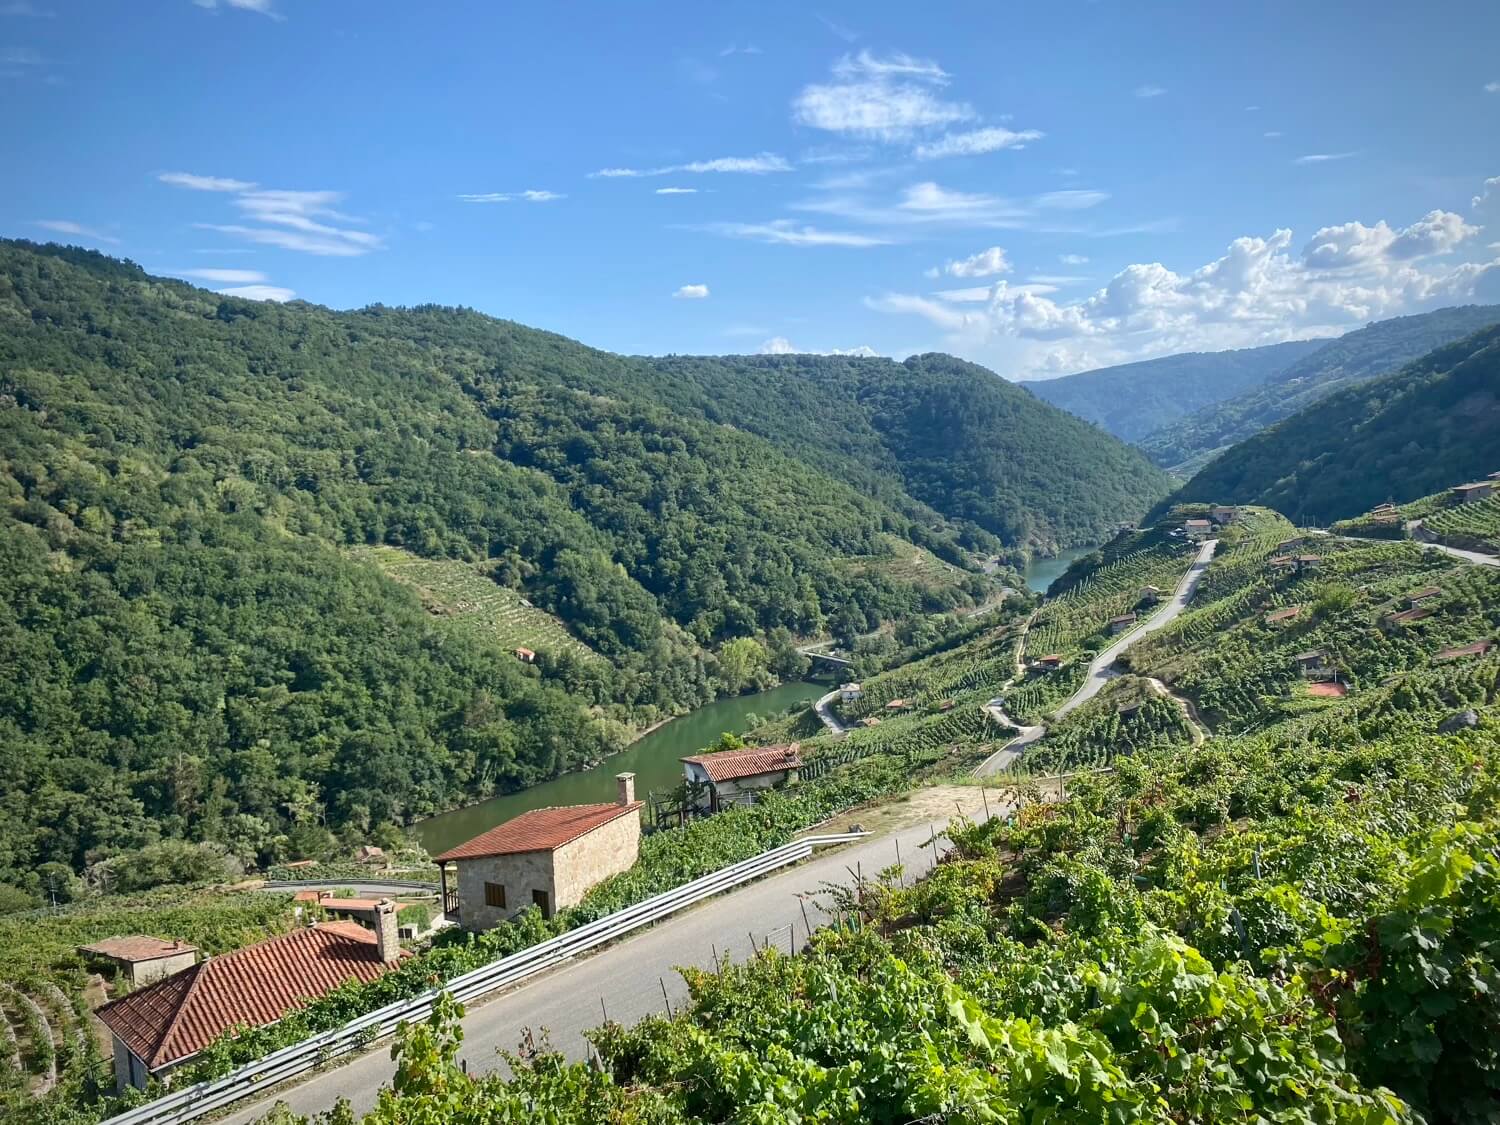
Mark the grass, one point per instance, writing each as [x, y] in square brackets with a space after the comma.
[462, 593]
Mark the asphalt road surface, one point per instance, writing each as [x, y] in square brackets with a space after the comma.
[626, 980]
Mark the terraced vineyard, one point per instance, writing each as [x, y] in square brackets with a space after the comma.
[1127, 717]
[1475, 525]
[458, 591]
[1079, 618]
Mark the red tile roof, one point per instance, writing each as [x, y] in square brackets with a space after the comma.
[137, 947]
[1286, 614]
[731, 765]
[540, 830]
[185, 1012]
[1407, 616]
[1478, 648]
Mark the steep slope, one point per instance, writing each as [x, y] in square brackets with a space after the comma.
[1375, 350]
[1432, 424]
[1132, 400]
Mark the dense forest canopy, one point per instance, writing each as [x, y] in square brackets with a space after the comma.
[1434, 424]
[1132, 400]
[1375, 350]
[194, 643]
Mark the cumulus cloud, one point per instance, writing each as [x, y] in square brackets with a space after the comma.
[259, 292]
[306, 221]
[531, 195]
[787, 233]
[1259, 291]
[758, 165]
[691, 292]
[986, 263]
[975, 142]
[780, 345]
[77, 230]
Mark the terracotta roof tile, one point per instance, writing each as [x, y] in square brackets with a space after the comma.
[180, 1015]
[1478, 648]
[137, 947]
[730, 765]
[540, 830]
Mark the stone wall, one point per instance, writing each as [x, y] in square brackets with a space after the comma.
[519, 874]
[145, 972]
[595, 856]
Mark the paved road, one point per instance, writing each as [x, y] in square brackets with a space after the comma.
[629, 976]
[1003, 757]
[825, 713]
[1478, 558]
[1100, 671]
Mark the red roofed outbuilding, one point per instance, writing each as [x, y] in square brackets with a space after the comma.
[735, 776]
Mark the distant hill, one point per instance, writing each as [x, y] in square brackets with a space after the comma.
[1132, 400]
[1433, 424]
[1377, 349]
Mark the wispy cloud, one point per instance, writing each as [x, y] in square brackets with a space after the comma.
[758, 165]
[786, 233]
[263, 7]
[21, 57]
[77, 230]
[203, 183]
[1272, 134]
[259, 292]
[691, 292]
[306, 221]
[734, 49]
[847, 34]
[1252, 109]
[222, 276]
[1492, 87]
[20, 8]
[531, 195]
[676, 191]
[976, 142]
[1323, 157]
[931, 204]
[1072, 259]
[886, 98]
[1150, 91]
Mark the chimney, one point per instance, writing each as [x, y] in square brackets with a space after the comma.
[387, 937]
[625, 788]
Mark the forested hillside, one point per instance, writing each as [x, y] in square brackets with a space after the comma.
[1433, 424]
[195, 641]
[1132, 400]
[1378, 349]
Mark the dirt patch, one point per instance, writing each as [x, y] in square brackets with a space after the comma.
[933, 804]
[1330, 690]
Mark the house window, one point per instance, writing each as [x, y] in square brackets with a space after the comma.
[494, 895]
[543, 901]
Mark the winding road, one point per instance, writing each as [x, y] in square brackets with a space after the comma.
[1101, 670]
[823, 709]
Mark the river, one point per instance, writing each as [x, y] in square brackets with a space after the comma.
[1041, 573]
[653, 759]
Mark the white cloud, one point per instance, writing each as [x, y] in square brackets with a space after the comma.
[986, 263]
[780, 345]
[887, 99]
[1252, 109]
[676, 191]
[1492, 87]
[1072, 259]
[965, 296]
[786, 233]
[259, 292]
[203, 183]
[975, 142]
[1323, 157]
[223, 276]
[758, 165]
[931, 204]
[732, 49]
[20, 8]
[1271, 134]
[531, 195]
[1259, 291]
[1149, 91]
[21, 56]
[78, 230]
[691, 292]
[264, 7]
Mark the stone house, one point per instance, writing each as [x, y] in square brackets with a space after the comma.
[547, 858]
[158, 1028]
[735, 776]
[1474, 491]
[1309, 663]
[1122, 623]
[370, 855]
[1224, 513]
[139, 959]
[1198, 529]
[849, 693]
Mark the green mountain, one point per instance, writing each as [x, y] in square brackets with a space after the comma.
[264, 564]
[1433, 424]
[1377, 349]
[1132, 400]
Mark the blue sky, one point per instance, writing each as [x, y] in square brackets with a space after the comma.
[1040, 188]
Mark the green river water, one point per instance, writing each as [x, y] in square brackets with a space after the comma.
[1041, 573]
[653, 760]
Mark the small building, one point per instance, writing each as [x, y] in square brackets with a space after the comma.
[370, 855]
[547, 858]
[160, 1027]
[947, 705]
[1310, 662]
[731, 777]
[1426, 593]
[1474, 491]
[1050, 661]
[1287, 544]
[1130, 710]
[1309, 562]
[1223, 514]
[868, 721]
[1478, 648]
[1121, 623]
[1383, 509]
[359, 909]
[1198, 529]
[1282, 562]
[139, 959]
[525, 655]
[1151, 594]
[898, 705]
[1408, 616]
[1125, 526]
[300, 864]
[850, 693]
[1492, 476]
[1278, 616]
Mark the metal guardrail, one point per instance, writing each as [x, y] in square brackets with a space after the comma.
[275, 1068]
